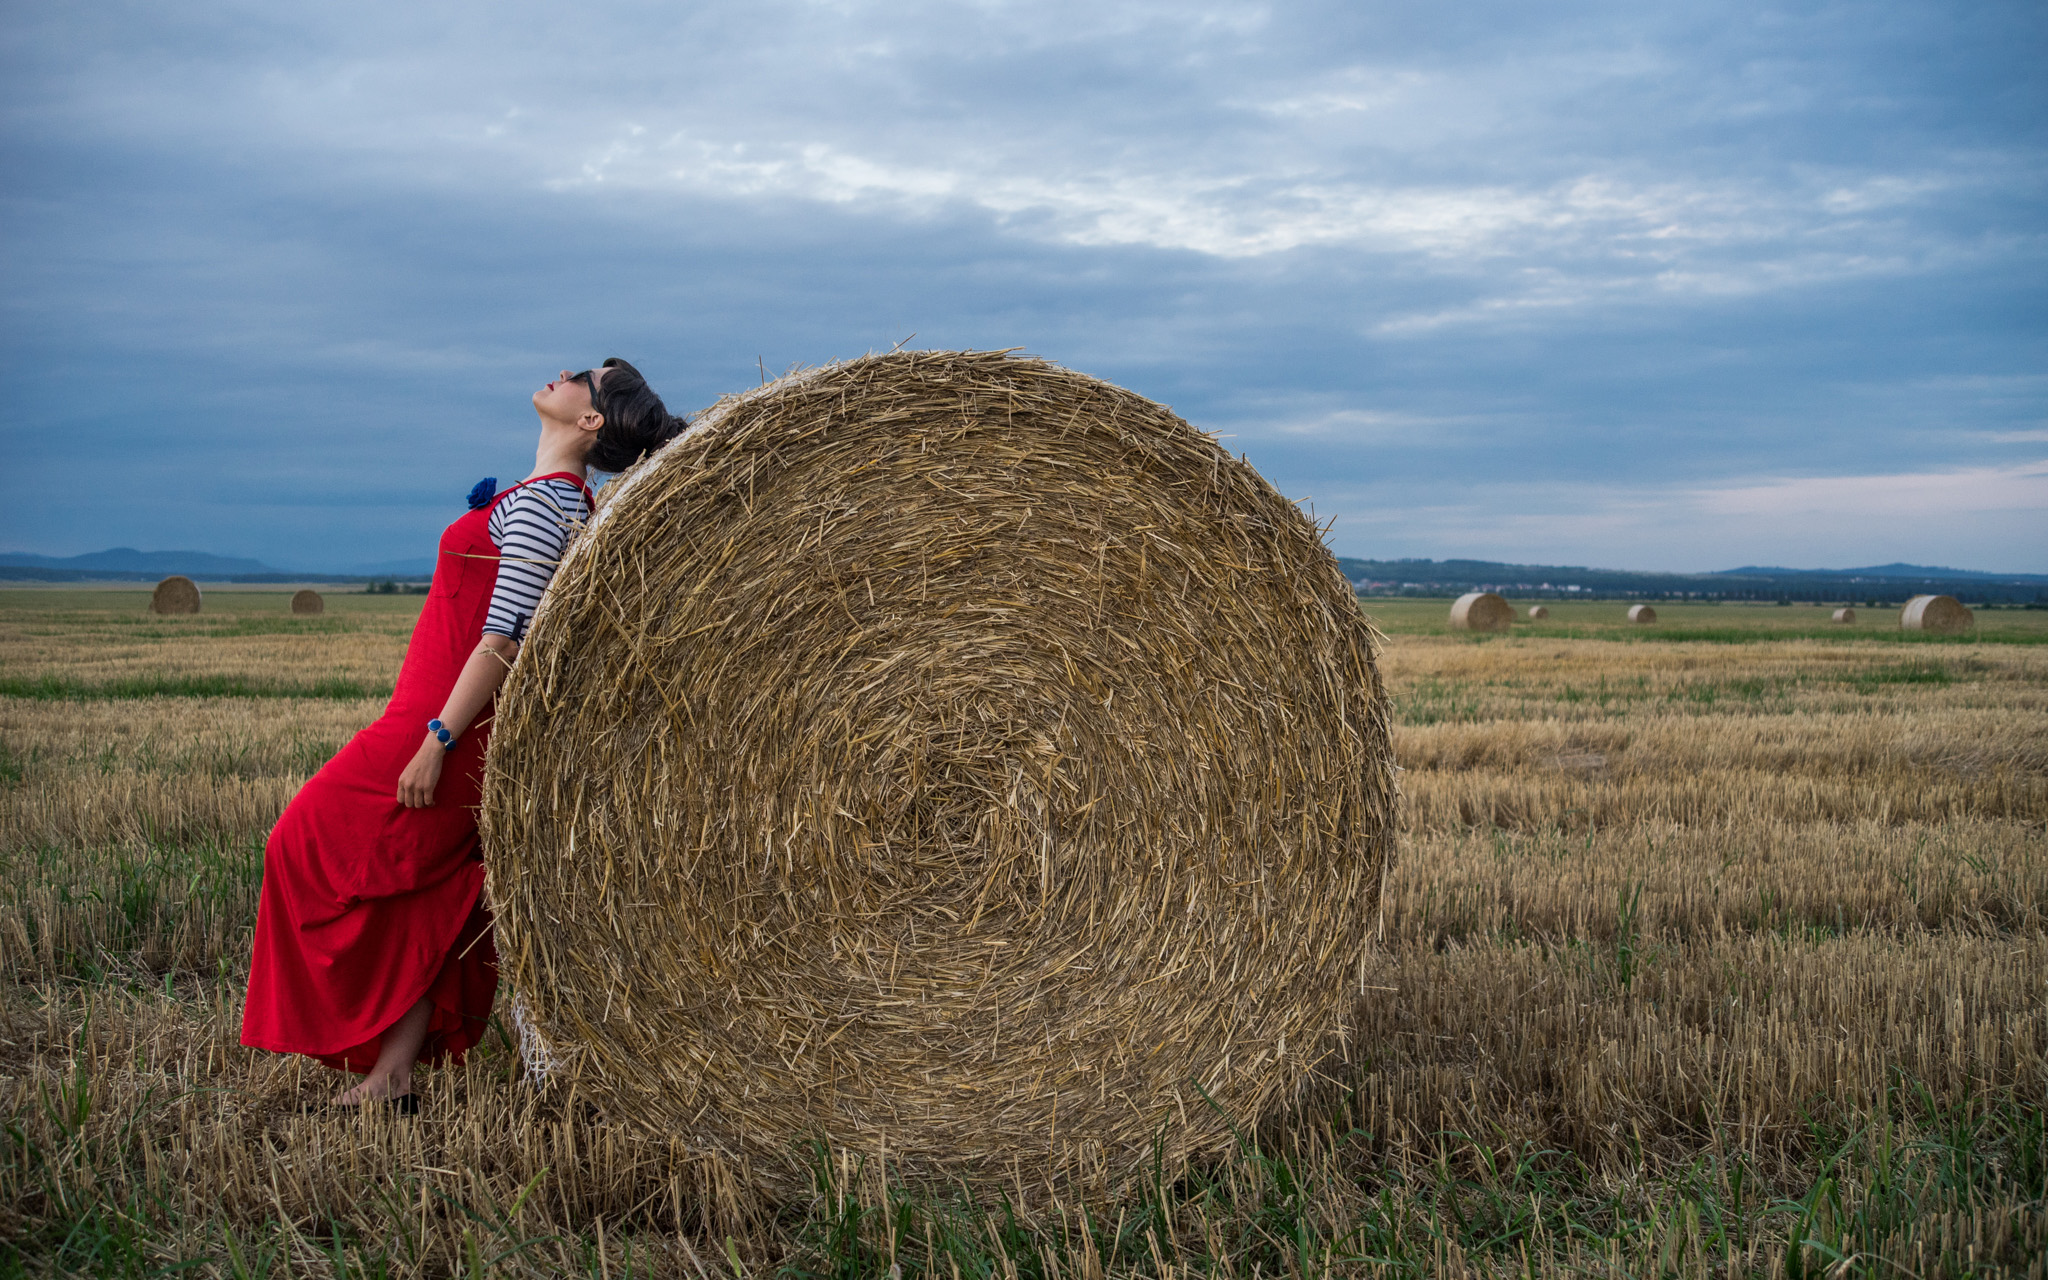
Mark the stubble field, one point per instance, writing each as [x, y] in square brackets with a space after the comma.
[1714, 948]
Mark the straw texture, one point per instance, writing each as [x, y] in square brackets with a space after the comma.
[1845, 616]
[1944, 614]
[949, 756]
[1481, 611]
[307, 600]
[1641, 614]
[175, 594]
[1538, 612]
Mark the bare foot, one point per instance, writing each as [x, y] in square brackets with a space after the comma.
[391, 1076]
[373, 1088]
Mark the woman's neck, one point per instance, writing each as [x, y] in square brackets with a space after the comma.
[556, 454]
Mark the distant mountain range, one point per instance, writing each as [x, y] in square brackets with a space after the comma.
[129, 560]
[126, 564]
[1910, 572]
[1884, 583]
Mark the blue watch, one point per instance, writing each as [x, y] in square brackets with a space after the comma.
[440, 731]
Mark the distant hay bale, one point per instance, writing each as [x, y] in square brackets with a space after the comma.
[1481, 611]
[1538, 613]
[307, 600]
[950, 756]
[175, 594]
[1945, 615]
[1845, 615]
[1641, 614]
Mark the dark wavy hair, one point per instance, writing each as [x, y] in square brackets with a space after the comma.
[636, 422]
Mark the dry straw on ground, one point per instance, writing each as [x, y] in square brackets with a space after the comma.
[307, 600]
[1481, 611]
[1845, 616]
[1641, 614]
[1943, 614]
[950, 756]
[1832, 855]
[175, 594]
[1538, 613]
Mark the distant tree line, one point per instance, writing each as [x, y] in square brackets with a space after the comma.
[1572, 582]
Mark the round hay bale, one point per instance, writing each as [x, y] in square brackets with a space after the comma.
[307, 600]
[949, 756]
[1641, 614]
[1538, 613]
[1481, 611]
[1943, 614]
[1845, 616]
[175, 594]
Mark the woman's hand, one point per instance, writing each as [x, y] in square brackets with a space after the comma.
[474, 688]
[416, 785]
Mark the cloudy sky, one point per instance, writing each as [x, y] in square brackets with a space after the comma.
[1669, 286]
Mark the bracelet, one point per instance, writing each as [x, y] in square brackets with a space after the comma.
[440, 731]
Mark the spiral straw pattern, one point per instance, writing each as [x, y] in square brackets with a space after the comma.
[951, 757]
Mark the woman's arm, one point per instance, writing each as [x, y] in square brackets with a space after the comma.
[479, 681]
[531, 528]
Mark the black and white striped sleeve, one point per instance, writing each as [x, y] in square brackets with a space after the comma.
[532, 528]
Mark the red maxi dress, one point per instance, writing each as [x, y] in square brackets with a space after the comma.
[367, 905]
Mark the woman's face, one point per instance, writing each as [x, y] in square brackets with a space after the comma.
[567, 398]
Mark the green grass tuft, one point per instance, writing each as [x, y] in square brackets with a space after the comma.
[51, 688]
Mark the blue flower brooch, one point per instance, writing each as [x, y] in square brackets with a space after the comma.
[486, 489]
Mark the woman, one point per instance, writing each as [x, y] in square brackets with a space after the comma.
[373, 943]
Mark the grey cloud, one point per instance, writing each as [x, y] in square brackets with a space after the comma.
[329, 249]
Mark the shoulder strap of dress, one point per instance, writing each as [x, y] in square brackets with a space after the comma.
[589, 499]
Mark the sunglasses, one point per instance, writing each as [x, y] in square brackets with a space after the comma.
[589, 380]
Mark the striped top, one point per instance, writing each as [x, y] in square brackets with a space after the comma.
[532, 528]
